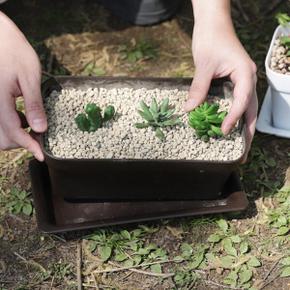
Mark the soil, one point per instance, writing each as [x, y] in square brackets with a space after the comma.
[280, 62]
[70, 34]
[120, 139]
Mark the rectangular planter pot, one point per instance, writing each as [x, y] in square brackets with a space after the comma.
[134, 179]
[280, 87]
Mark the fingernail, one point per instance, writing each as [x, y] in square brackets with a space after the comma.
[39, 125]
[39, 156]
[226, 129]
[189, 105]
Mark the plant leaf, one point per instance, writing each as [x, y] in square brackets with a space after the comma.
[228, 247]
[231, 279]
[109, 113]
[156, 268]
[285, 272]
[245, 276]
[227, 261]
[236, 239]
[282, 231]
[105, 252]
[120, 257]
[82, 122]
[254, 262]
[286, 261]
[125, 234]
[159, 134]
[146, 115]
[27, 209]
[214, 238]
[223, 225]
[94, 116]
[142, 125]
[164, 105]
[244, 247]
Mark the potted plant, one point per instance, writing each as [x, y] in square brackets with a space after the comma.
[143, 147]
[278, 73]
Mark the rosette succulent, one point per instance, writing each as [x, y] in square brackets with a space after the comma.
[207, 120]
[93, 119]
[157, 116]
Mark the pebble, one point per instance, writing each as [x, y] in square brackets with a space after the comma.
[119, 139]
[279, 61]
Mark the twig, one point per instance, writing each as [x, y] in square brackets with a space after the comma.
[273, 7]
[221, 286]
[30, 262]
[58, 238]
[132, 267]
[15, 159]
[95, 281]
[79, 265]
[51, 284]
[242, 11]
[47, 74]
[269, 282]
[6, 281]
[96, 287]
[271, 269]
[20, 257]
[163, 275]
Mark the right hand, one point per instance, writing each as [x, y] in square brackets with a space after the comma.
[20, 75]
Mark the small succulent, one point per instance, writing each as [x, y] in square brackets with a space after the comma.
[206, 120]
[92, 119]
[283, 18]
[157, 116]
[285, 40]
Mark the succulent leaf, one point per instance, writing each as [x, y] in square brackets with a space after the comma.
[109, 113]
[157, 116]
[206, 120]
[92, 119]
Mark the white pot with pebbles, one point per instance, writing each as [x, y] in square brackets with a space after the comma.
[132, 136]
[278, 75]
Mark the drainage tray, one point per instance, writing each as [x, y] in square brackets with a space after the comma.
[55, 214]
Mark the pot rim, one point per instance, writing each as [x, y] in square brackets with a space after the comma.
[269, 54]
[49, 157]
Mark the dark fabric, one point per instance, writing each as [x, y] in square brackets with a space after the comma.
[142, 12]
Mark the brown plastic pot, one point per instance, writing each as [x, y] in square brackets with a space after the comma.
[134, 179]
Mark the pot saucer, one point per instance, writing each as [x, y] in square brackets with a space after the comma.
[264, 122]
[54, 214]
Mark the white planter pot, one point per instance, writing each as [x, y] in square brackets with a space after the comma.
[280, 87]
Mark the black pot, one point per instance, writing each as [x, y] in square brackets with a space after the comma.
[123, 180]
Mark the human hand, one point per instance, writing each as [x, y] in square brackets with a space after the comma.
[20, 73]
[217, 53]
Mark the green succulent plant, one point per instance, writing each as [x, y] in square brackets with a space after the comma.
[285, 40]
[283, 19]
[92, 119]
[206, 120]
[157, 116]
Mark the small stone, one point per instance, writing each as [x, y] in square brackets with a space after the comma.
[119, 138]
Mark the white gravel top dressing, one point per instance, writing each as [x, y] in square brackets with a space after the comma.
[280, 62]
[119, 139]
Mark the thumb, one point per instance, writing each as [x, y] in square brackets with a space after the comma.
[33, 105]
[198, 90]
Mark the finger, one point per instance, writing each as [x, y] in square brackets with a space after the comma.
[30, 88]
[243, 92]
[251, 119]
[23, 139]
[24, 123]
[11, 131]
[199, 89]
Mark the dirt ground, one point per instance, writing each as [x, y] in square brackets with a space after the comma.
[83, 38]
